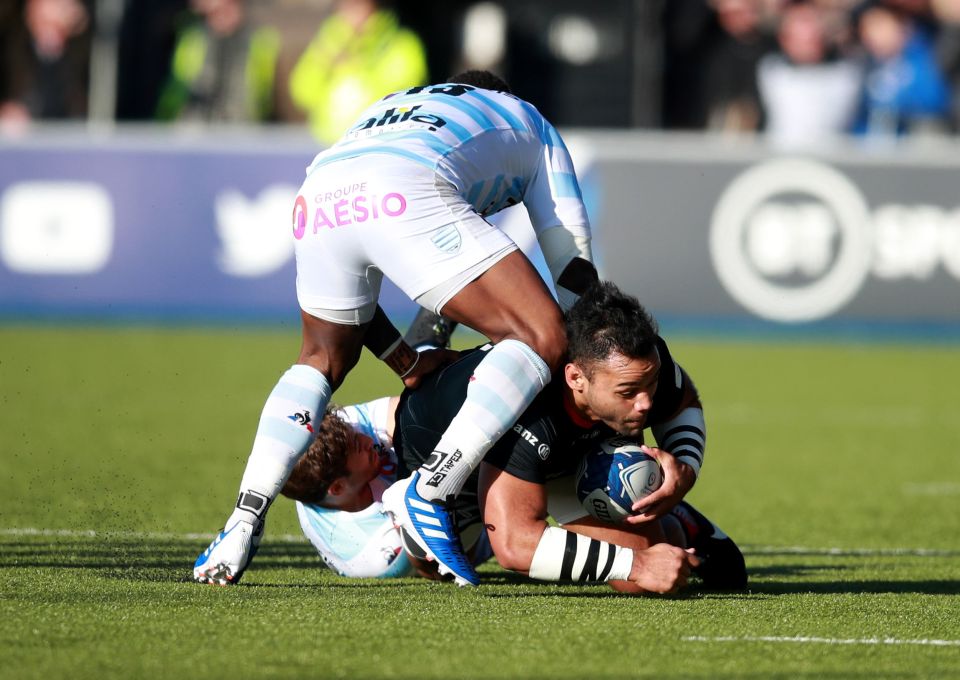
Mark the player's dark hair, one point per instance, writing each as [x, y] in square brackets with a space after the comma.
[482, 79]
[323, 463]
[606, 320]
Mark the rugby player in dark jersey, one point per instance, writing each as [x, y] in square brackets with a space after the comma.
[619, 379]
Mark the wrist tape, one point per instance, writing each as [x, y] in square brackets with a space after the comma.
[563, 555]
[390, 349]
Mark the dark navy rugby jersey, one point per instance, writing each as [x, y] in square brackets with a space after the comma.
[546, 442]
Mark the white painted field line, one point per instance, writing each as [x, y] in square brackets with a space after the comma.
[932, 489]
[846, 552]
[823, 640]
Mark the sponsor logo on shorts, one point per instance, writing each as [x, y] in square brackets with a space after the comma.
[299, 217]
[354, 205]
[447, 239]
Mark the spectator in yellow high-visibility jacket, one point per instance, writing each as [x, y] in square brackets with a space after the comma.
[359, 54]
[223, 67]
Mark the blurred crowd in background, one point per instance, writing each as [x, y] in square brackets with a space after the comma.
[801, 72]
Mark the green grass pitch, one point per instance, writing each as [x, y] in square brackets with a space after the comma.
[836, 467]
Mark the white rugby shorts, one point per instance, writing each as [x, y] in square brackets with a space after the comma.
[358, 219]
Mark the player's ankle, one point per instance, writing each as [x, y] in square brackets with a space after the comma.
[242, 515]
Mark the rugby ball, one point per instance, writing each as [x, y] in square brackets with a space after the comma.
[614, 477]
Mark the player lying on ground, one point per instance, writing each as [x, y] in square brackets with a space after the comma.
[338, 485]
[612, 385]
[404, 194]
[339, 482]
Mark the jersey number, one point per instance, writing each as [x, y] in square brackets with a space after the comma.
[452, 90]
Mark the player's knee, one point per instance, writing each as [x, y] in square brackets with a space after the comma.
[331, 348]
[334, 375]
[333, 365]
[550, 344]
[552, 347]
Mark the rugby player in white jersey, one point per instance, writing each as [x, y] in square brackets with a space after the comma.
[404, 194]
[619, 378]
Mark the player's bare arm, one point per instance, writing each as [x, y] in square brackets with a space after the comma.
[515, 511]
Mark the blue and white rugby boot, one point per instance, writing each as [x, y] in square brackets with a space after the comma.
[432, 526]
[230, 553]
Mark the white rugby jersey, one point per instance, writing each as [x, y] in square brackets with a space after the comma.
[363, 544]
[494, 148]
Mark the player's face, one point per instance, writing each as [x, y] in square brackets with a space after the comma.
[620, 390]
[363, 462]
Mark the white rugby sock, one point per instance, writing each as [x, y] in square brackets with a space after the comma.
[295, 405]
[502, 386]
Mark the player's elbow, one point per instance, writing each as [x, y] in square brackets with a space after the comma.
[513, 552]
[514, 559]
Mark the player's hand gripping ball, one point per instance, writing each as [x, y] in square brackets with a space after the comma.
[614, 477]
